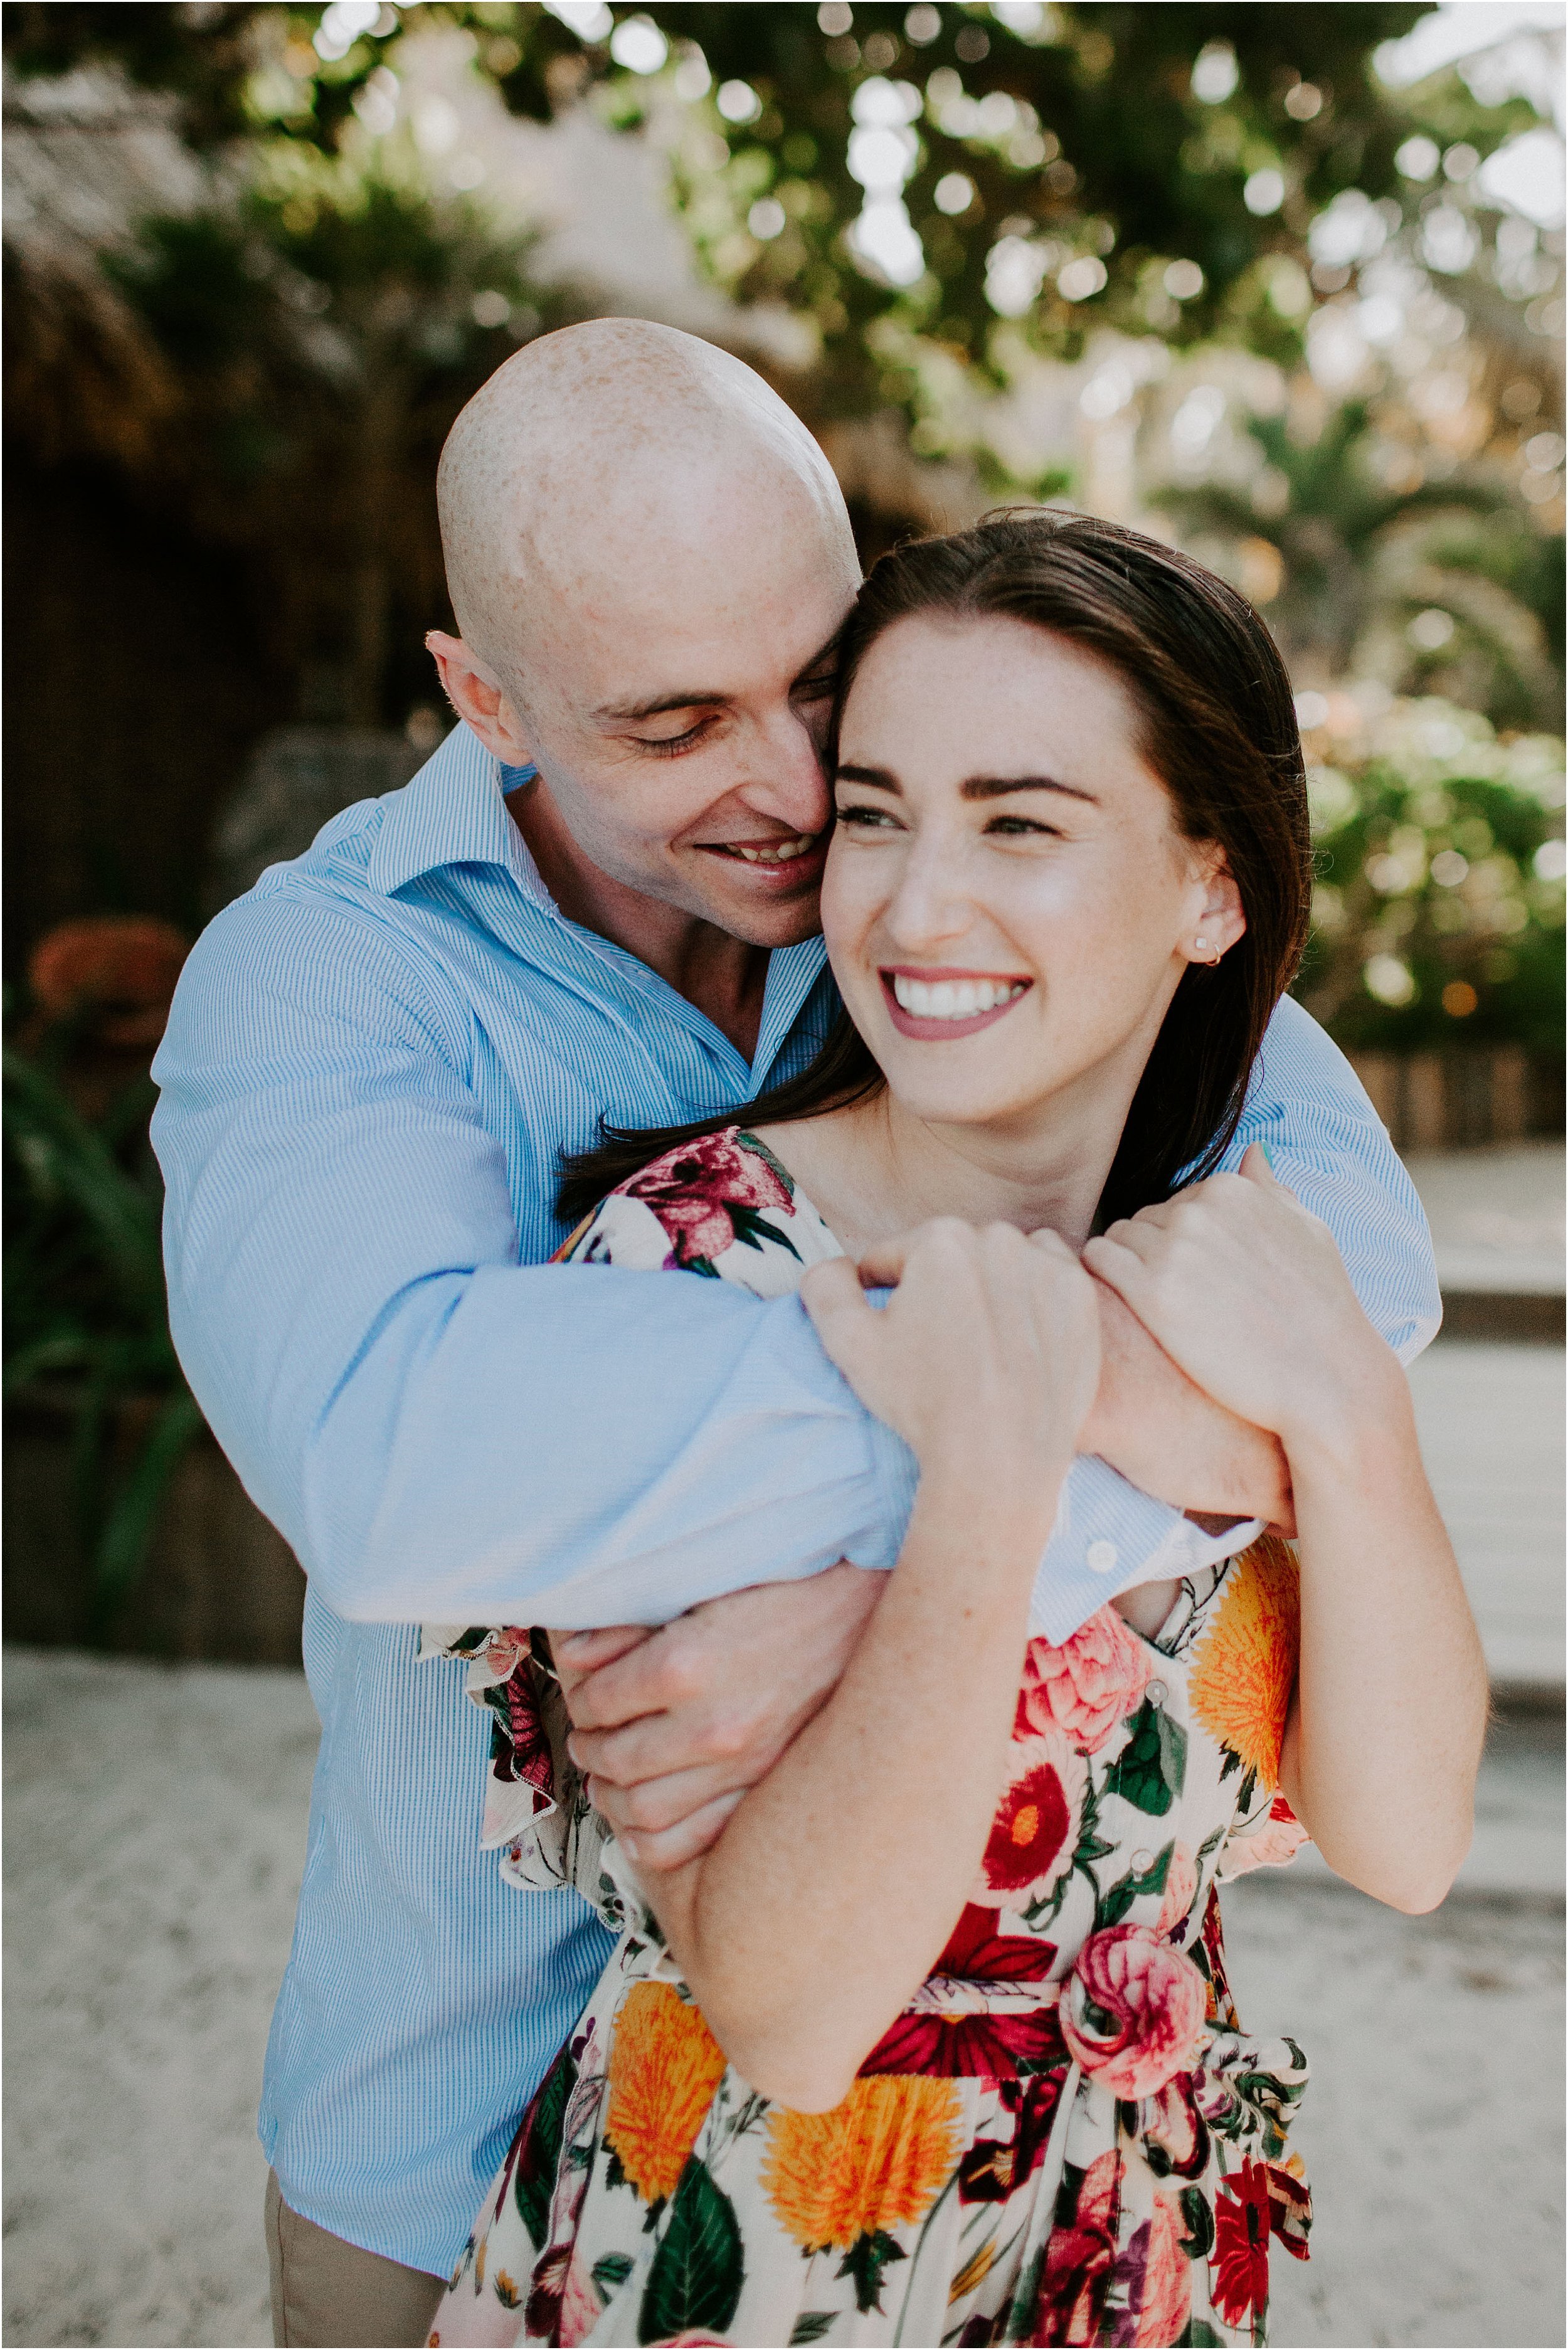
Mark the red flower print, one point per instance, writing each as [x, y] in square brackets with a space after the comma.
[1133, 2012]
[1079, 2255]
[694, 1188]
[1083, 1689]
[1239, 2262]
[1030, 1847]
[969, 2046]
[995, 2168]
[976, 1950]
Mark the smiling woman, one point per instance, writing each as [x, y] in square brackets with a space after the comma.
[945, 1997]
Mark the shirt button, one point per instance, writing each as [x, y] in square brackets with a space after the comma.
[1143, 1862]
[1156, 1692]
[1101, 1556]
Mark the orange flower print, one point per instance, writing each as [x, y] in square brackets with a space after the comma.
[664, 2067]
[1245, 1665]
[878, 2162]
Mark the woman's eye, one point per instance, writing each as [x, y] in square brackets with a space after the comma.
[869, 819]
[1014, 827]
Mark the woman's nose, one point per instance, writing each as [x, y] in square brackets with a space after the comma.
[928, 905]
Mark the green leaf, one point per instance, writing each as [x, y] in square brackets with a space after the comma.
[611, 2272]
[751, 1229]
[1199, 2241]
[694, 2284]
[122, 1544]
[1113, 1905]
[811, 2325]
[1152, 1766]
[539, 2156]
[1199, 2334]
[865, 2260]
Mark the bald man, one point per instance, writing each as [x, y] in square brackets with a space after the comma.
[598, 899]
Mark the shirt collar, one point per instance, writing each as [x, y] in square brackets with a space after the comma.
[452, 813]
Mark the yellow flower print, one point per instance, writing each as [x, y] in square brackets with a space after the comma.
[878, 2160]
[664, 2067]
[1245, 1665]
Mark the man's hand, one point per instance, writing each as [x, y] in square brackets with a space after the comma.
[1166, 1435]
[673, 1726]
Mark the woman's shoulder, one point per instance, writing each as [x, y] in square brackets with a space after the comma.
[722, 1204]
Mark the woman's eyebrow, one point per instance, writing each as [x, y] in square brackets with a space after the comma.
[994, 787]
[973, 787]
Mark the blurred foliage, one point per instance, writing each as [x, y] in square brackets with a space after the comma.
[86, 1316]
[1437, 916]
[1362, 555]
[1028, 106]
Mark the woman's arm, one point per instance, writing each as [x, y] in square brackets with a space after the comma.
[830, 1894]
[1247, 1291]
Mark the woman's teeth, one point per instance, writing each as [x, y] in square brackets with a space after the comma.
[775, 852]
[953, 999]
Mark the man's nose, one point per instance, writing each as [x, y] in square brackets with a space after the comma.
[788, 781]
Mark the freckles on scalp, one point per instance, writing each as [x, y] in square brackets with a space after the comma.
[612, 469]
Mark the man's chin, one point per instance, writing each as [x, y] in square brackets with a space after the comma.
[781, 925]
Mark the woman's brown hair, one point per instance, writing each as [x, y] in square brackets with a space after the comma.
[1219, 729]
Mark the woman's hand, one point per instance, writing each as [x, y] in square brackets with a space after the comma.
[1245, 1289]
[986, 1358]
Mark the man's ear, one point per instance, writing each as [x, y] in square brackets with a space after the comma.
[478, 701]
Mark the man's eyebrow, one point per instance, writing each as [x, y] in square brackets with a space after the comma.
[657, 704]
[973, 787]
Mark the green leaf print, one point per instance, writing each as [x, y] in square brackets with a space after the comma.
[611, 2272]
[751, 1229]
[694, 2284]
[1113, 1907]
[865, 2260]
[1199, 2334]
[538, 2159]
[1199, 2241]
[811, 2325]
[1152, 1766]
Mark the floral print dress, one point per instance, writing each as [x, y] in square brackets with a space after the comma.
[1065, 2136]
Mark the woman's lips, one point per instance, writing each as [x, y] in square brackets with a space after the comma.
[927, 1028]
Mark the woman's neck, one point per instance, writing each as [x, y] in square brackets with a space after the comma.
[874, 1169]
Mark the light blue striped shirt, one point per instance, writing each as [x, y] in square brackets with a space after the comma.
[373, 1064]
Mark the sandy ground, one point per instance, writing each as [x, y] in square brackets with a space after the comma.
[155, 1824]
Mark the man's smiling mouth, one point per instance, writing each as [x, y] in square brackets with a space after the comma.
[937, 1006]
[797, 850]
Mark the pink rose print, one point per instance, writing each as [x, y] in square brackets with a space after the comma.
[692, 1189]
[1133, 2015]
[1180, 1885]
[1273, 1842]
[1083, 1689]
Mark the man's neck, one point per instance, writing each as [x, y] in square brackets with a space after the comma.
[723, 977]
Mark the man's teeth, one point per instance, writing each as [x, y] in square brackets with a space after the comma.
[953, 999]
[775, 852]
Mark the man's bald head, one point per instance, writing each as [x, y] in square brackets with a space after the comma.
[609, 466]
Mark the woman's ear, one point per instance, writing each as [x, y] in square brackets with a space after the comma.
[1220, 921]
[478, 701]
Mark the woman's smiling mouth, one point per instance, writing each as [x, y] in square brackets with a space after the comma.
[938, 1005]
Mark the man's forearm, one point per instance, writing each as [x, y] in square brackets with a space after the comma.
[1164, 1434]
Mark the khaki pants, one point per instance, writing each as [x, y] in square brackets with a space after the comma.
[327, 2293]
